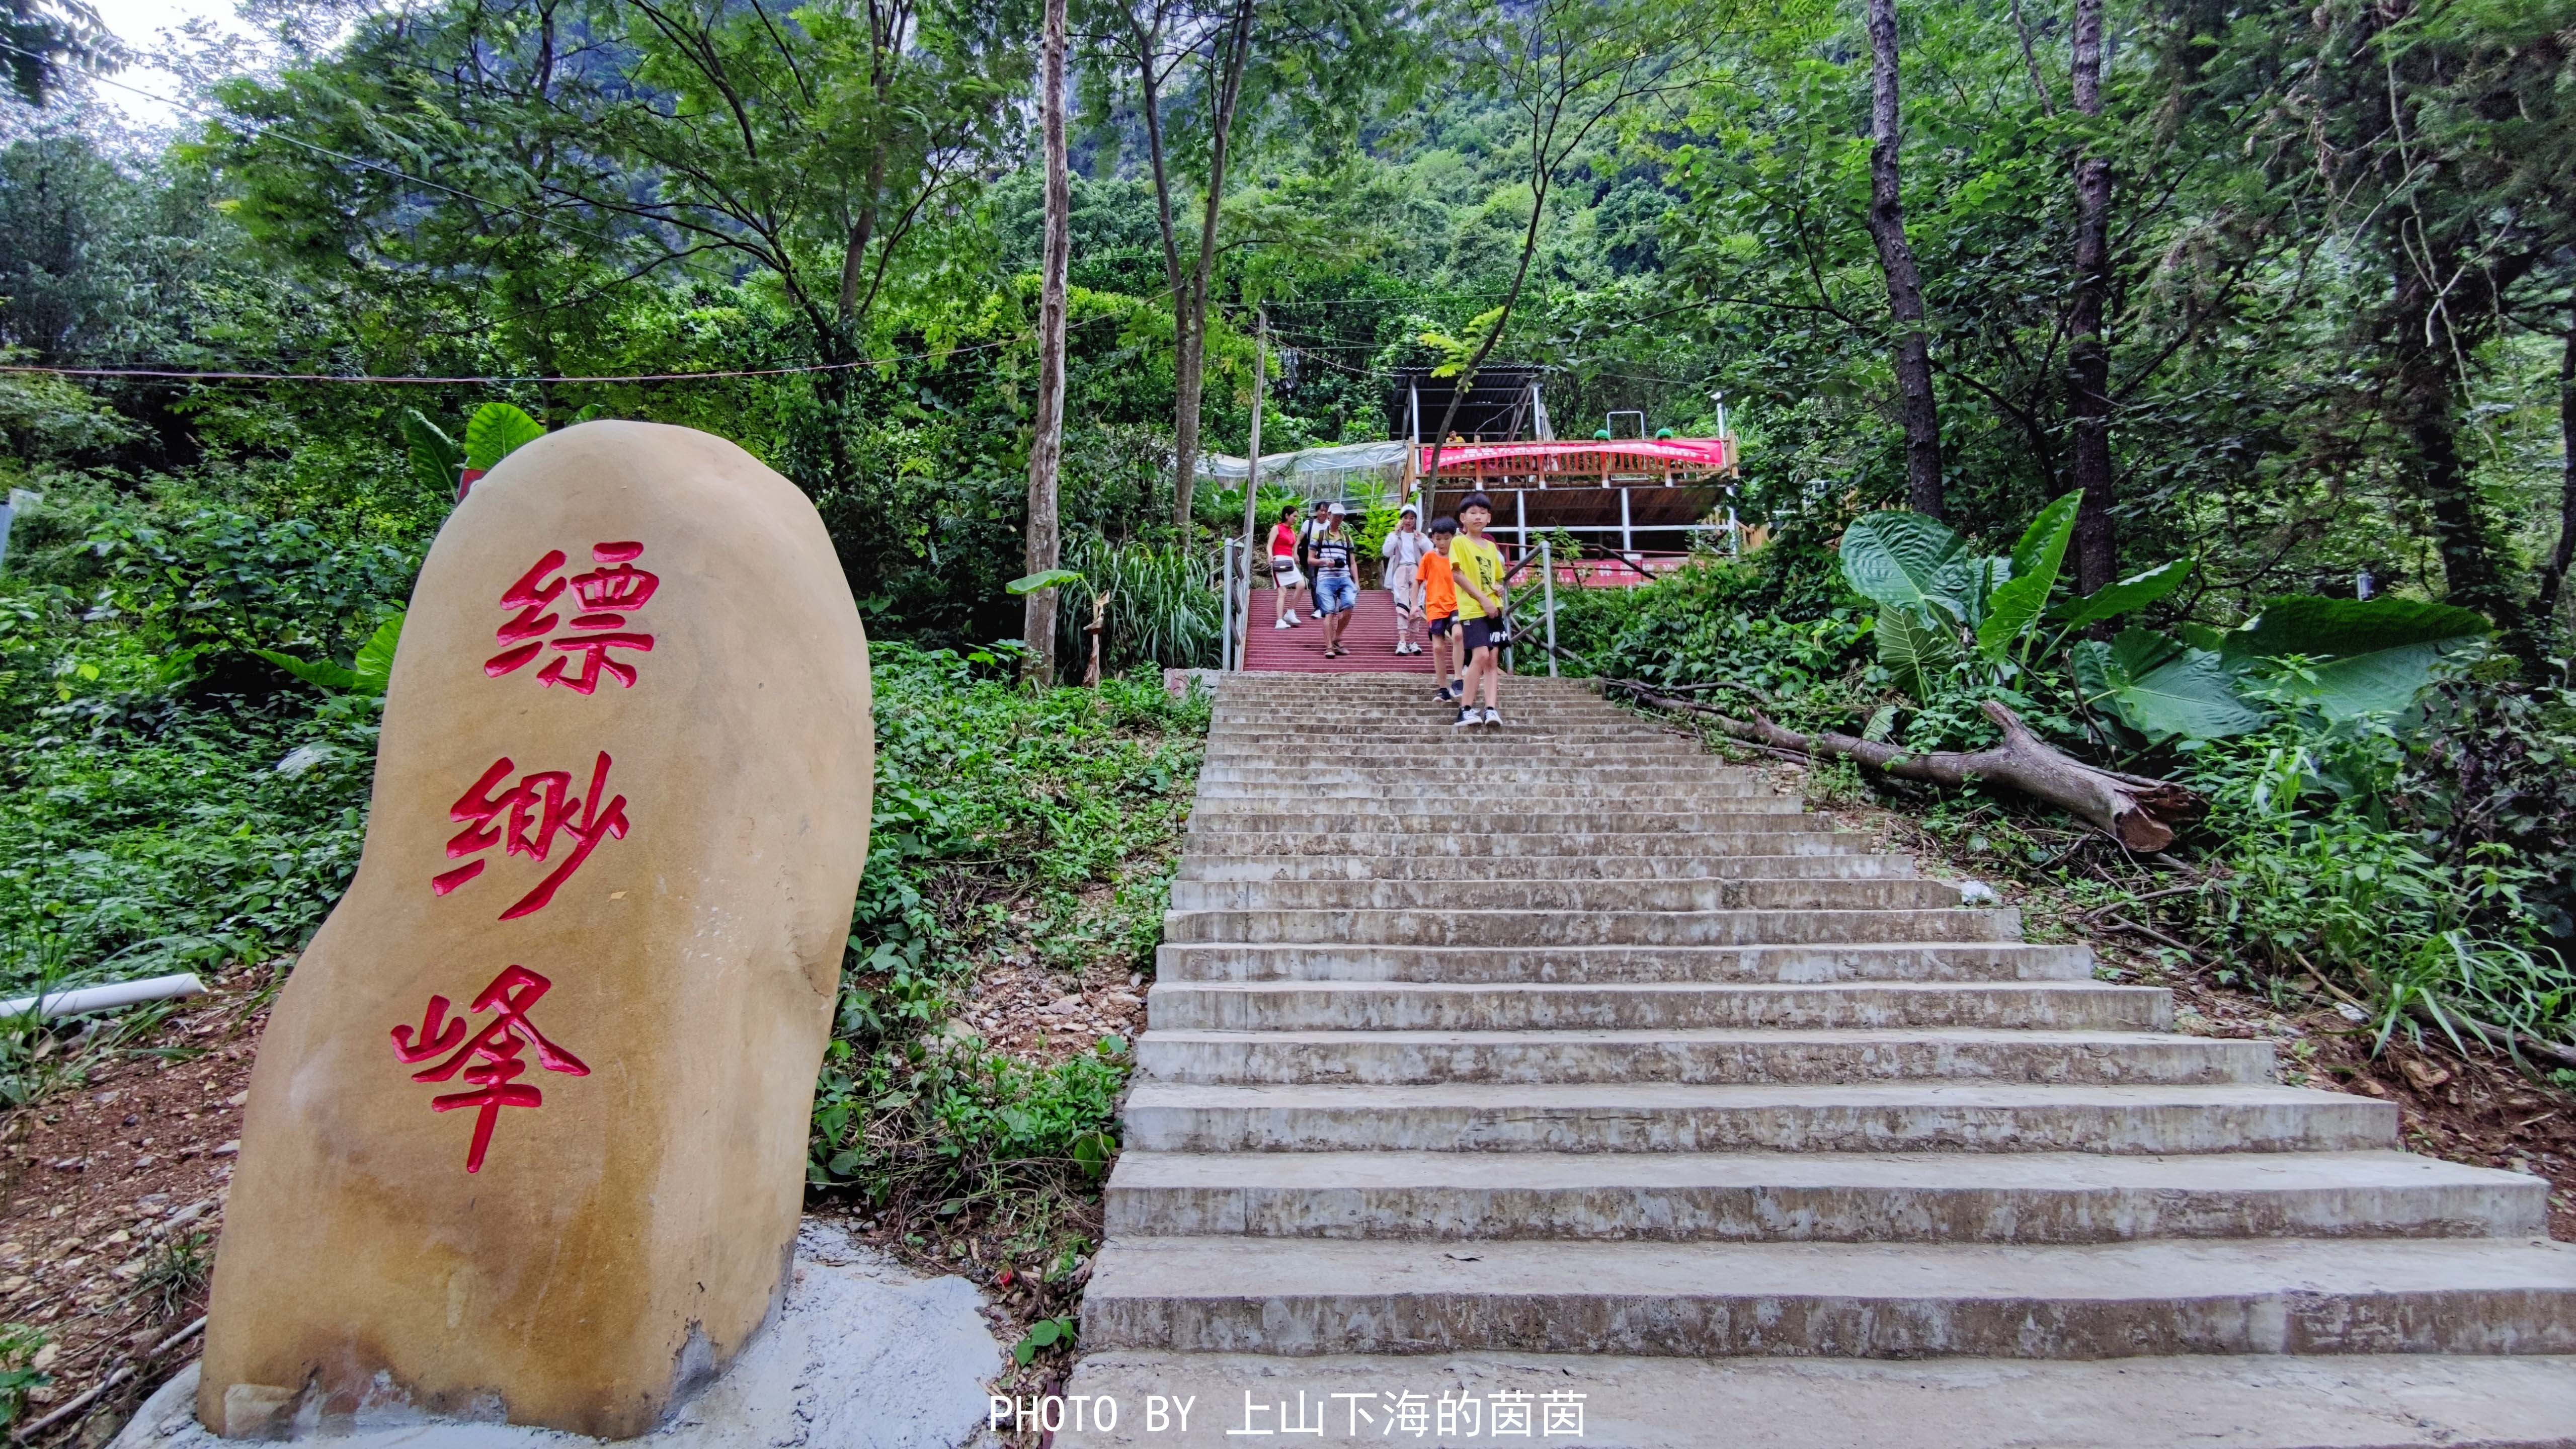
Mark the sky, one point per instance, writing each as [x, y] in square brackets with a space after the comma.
[138, 23]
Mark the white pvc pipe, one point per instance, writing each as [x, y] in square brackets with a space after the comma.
[107, 998]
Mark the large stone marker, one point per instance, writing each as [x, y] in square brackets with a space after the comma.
[526, 1138]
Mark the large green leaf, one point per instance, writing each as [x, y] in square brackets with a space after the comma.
[1047, 579]
[2016, 604]
[495, 432]
[374, 666]
[1907, 562]
[1916, 652]
[2049, 529]
[2134, 592]
[325, 675]
[2161, 687]
[2376, 655]
[435, 458]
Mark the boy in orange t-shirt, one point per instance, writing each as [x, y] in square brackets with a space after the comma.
[1440, 607]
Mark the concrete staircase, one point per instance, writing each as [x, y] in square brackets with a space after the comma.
[1563, 1056]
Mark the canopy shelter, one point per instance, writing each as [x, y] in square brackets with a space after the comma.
[1370, 470]
[1503, 404]
[1624, 495]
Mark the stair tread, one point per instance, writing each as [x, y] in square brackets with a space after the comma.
[1646, 1172]
[1648, 1096]
[1651, 988]
[1713, 1035]
[2200, 1401]
[2166, 1268]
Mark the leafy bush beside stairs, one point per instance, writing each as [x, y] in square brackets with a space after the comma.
[1008, 823]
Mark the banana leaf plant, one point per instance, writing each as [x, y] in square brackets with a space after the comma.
[1951, 620]
[1059, 578]
[1947, 611]
[495, 431]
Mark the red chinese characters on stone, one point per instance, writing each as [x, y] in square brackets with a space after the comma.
[525, 819]
[490, 1058]
[602, 599]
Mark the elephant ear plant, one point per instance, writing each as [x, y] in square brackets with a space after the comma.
[1952, 620]
[1955, 624]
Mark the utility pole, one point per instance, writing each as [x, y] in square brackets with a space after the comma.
[1252, 472]
[1046, 449]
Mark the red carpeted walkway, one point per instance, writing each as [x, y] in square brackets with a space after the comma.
[1370, 637]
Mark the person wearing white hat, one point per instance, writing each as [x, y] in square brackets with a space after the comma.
[1337, 590]
[1403, 551]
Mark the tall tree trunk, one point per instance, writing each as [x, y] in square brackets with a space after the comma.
[1046, 448]
[1149, 91]
[1190, 355]
[2088, 365]
[2424, 401]
[2545, 608]
[1917, 409]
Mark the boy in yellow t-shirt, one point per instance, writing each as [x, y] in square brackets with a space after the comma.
[1476, 567]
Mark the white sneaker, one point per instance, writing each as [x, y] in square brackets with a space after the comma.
[1465, 717]
[1284, 622]
[1493, 716]
[1293, 619]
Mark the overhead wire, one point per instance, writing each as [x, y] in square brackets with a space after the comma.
[419, 380]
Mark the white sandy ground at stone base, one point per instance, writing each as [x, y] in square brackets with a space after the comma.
[864, 1355]
[2352, 1401]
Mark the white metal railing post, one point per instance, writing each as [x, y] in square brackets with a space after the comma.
[1547, 593]
[1225, 643]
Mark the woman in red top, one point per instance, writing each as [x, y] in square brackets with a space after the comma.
[1283, 569]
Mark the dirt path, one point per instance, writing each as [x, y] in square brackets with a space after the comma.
[112, 1196]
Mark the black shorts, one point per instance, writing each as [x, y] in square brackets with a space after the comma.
[1475, 634]
[1440, 626]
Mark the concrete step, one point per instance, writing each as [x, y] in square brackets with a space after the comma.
[1932, 1197]
[1669, 1117]
[1700, 1056]
[1498, 869]
[1818, 839]
[1851, 1300]
[1434, 774]
[1456, 1006]
[1291, 791]
[1603, 811]
[1439, 729]
[1594, 928]
[1908, 961]
[1415, 705]
[1796, 893]
[2204, 1401]
[1718, 817]
[1458, 743]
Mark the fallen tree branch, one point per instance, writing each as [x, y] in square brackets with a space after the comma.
[2141, 814]
[2123, 923]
